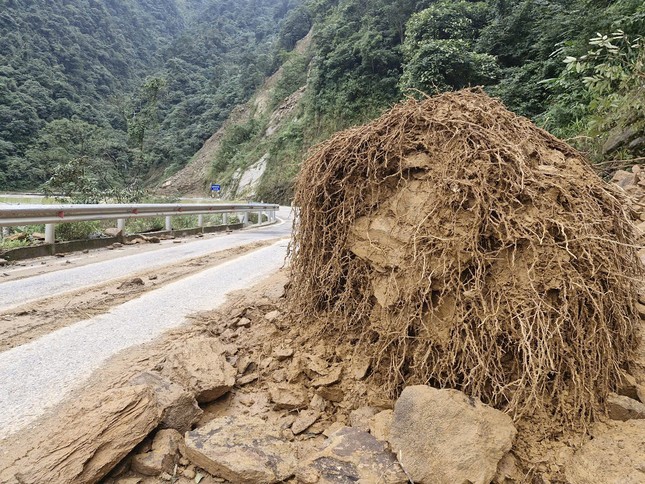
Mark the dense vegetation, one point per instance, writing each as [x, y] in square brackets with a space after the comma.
[143, 82]
[573, 66]
[121, 93]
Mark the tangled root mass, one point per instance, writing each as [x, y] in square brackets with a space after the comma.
[464, 247]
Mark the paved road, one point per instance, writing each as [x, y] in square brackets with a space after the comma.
[15, 293]
[36, 376]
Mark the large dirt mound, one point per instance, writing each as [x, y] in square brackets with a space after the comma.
[464, 247]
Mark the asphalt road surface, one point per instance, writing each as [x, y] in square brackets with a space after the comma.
[36, 376]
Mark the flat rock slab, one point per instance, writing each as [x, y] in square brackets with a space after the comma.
[616, 455]
[242, 450]
[446, 437]
[87, 442]
[352, 455]
[199, 365]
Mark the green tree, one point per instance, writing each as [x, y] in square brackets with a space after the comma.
[439, 48]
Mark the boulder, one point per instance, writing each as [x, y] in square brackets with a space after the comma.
[242, 450]
[624, 408]
[199, 365]
[351, 455]
[444, 436]
[615, 455]
[163, 456]
[88, 440]
[179, 409]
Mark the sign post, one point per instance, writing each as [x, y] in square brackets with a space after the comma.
[215, 189]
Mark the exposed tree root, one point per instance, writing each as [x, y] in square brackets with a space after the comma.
[464, 247]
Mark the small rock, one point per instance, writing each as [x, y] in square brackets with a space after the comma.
[318, 403]
[444, 436]
[163, 456]
[628, 387]
[333, 428]
[242, 450]
[332, 377]
[333, 394]
[200, 366]
[189, 472]
[3, 262]
[624, 408]
[272, 316]
[136, 282]
[113, 232]
[509, 471]
[246, 379]
[305, 420]
[176, 241]
[117, 245]
[245, 363]
[281, 353]
[288, 397]
[60, 255]
[359, 418]
[380, 425]
[360, 367]
[165, 476]
[153, 278]
[86, 251]
[179, 407]
[352, 455]
[243, 323]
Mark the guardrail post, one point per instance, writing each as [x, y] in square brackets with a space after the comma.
[120, 225]
[245, 218]
[224, 219]
[200, 220]
[168, 223]
[50, 233]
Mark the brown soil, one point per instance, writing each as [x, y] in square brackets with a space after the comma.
[31, 321]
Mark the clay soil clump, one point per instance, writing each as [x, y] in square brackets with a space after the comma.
[459, 245]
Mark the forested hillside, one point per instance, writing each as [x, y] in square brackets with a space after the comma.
[573, 66]
[116, 92]
[102, 95]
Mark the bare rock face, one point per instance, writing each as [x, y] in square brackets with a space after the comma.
[199, 366]
[112, 426]
[616, 455]
[242, 450]
[351, 455]
[179, 409]
[624, 408]
[444, 436]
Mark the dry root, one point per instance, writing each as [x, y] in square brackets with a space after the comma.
[464, 247]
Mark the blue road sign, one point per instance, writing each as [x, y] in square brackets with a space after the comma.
[215, 188]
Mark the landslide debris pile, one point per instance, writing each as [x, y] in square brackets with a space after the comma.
[459, 245]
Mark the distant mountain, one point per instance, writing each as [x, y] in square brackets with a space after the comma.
[92, 62]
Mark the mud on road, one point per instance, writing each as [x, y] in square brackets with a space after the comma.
[35, 319]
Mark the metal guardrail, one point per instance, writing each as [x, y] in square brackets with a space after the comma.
[50, 215]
